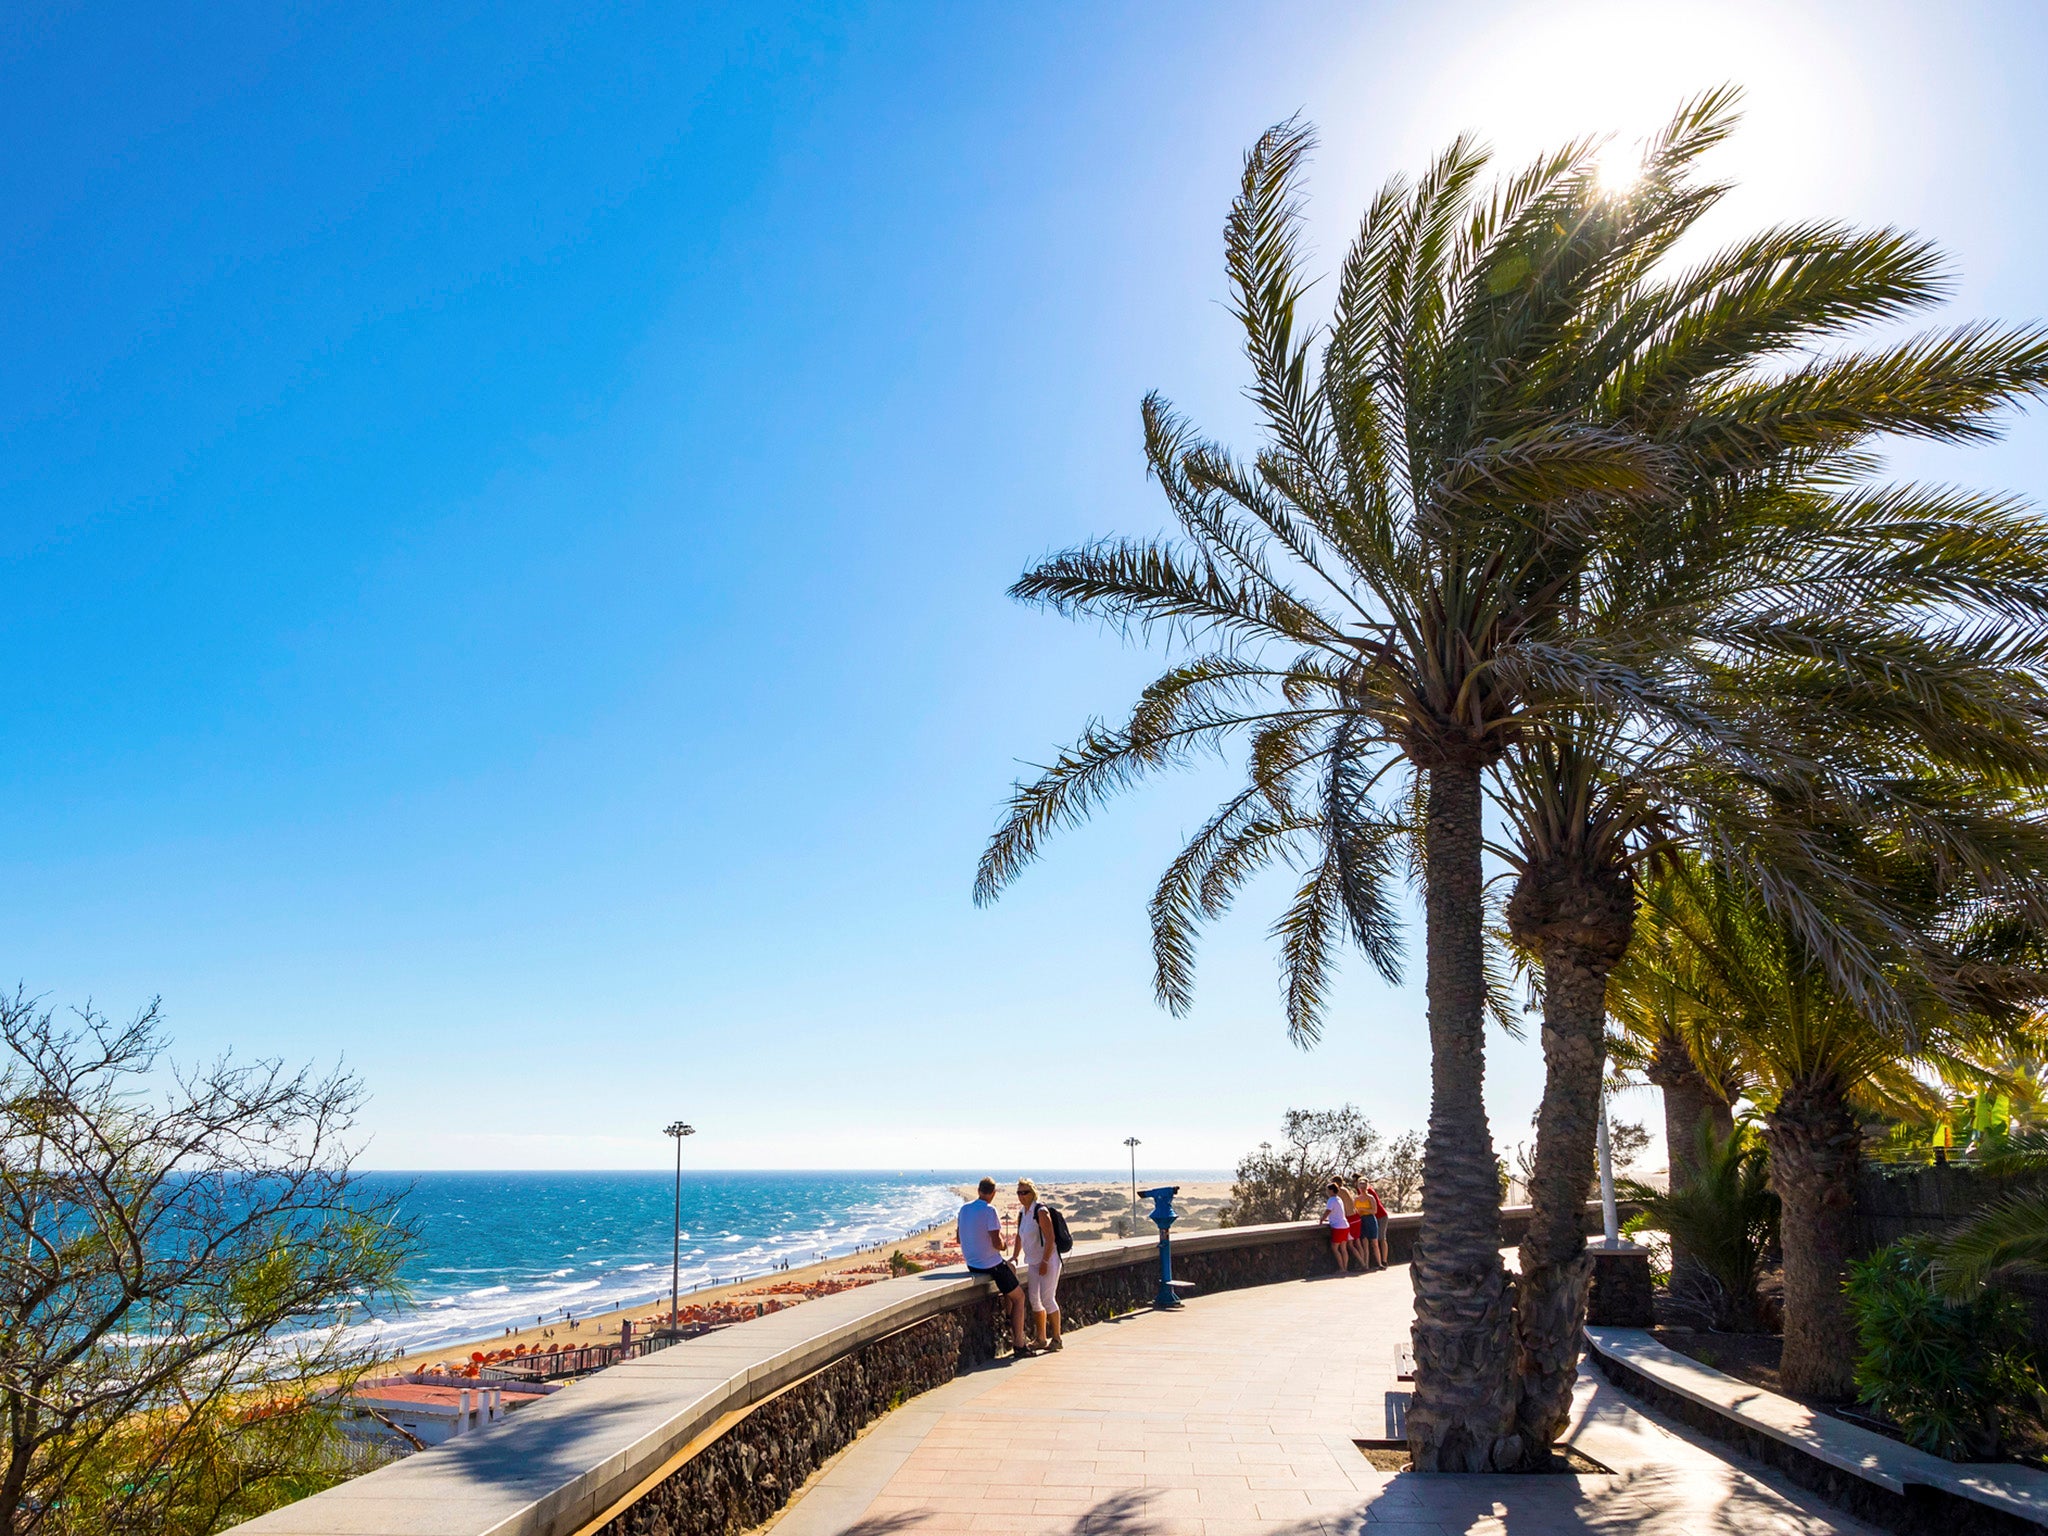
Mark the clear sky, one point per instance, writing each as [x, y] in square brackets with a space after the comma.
[504, 514]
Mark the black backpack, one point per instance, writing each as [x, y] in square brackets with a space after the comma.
[1062, 1239]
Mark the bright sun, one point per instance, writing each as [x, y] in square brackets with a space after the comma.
[1618, 167]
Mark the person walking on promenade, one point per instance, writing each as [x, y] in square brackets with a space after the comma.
[1041, 1255]
[1338, 1219]
[980, 1231]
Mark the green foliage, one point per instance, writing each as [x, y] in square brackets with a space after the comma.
[1627, 1140]
[901, 1263]
[184, 1253]
[1953, 1375]
[1726, 1220]
[1290, 1182]
[202, 1471]
[2007, 1236]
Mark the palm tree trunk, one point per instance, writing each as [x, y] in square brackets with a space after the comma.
[1815, 1148]
[1550, 1297]
[1689, 1102]
[1579, 919]
[1462, 1418]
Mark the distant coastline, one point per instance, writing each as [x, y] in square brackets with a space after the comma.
[540, 1259]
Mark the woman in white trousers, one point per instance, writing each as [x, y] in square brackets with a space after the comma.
[1041, 1264]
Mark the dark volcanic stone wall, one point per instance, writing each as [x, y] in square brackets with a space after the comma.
[749, 1472]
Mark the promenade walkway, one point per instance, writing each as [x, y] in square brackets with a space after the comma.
[1239, 1416]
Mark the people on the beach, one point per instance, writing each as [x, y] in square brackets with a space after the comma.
[1041, 1258]
[980, 1231]
[1337, 1217]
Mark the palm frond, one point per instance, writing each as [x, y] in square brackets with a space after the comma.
[2008, 1236]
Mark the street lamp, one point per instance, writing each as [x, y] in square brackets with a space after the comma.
[1133, 1143]
[1610, 1228]
[675, 1275]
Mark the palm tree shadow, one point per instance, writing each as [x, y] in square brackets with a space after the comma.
[1503, 1503]
[886, 1525]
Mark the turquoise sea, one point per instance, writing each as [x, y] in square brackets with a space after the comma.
[510, 1249]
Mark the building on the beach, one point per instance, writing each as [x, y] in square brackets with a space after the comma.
[400, 1410]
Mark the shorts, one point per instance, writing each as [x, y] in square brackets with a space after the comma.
[1339, 1236]
[1369, 1228]
[1004, 1276]
[1357, 1228]
[1041, 1292]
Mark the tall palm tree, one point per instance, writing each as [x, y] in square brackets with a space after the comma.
[1354, 601]
[1388, 597]
[1822, 1060]
[1774, 650]
[1655, 1033]
[1366, 604]
[1780, 769]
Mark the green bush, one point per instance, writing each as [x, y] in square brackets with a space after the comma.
[1726, 1219]
[1952, 1375]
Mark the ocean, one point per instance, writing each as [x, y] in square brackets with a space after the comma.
[509, 1249]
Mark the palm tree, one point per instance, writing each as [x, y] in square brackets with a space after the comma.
[1430, 565]
[1356, 602]
[1774, 651]
[1676, 1049]
[1688, 1058]
[1780, 770]
[1727, 1218]
[1371, 586]
[1821, 1060]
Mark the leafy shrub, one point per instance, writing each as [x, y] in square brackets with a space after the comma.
[1725, 1220]
[1952, 1375]
[1288, 1183]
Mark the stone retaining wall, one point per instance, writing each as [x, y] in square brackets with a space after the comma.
[750, 1471]
[711, 1436]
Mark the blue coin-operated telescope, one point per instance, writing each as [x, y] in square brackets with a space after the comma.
[1163, 1216]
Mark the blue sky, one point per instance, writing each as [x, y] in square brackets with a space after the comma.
[504, 514]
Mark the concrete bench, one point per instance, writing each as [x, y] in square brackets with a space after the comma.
[1834, 1454]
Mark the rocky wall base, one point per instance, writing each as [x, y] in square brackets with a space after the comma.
[748, 1473]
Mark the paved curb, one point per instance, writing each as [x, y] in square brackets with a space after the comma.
[1878, 1479]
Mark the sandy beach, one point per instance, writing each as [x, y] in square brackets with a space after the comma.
[1098, 1208]
[1094, 1209]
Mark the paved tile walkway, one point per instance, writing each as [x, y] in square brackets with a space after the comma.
[1238, 1416]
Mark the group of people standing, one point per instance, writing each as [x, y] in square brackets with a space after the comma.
[1357, 1220]
[1034, 1246]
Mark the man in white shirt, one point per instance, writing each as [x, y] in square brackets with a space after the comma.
[981, 1245]
[1335, 1216]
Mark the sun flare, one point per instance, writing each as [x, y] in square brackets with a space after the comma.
[1618, 167]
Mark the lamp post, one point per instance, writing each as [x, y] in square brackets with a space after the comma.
[675, 1275]
[1611, 1227]
[1133, 1143]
